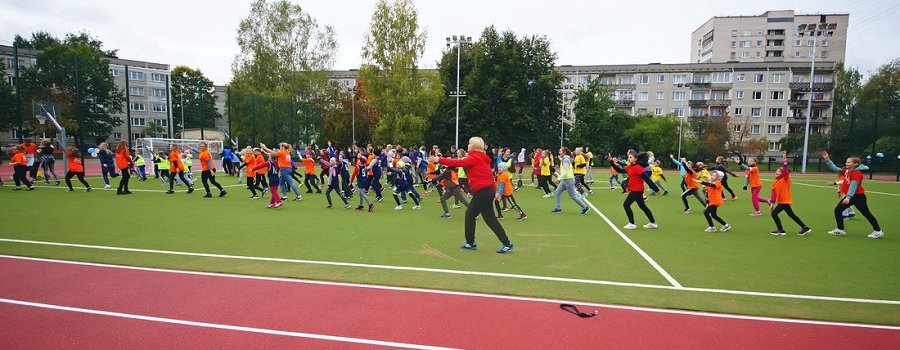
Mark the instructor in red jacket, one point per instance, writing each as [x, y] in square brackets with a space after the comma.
[481, 183]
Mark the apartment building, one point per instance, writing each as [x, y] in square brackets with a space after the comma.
[774, 36]
[148, 84]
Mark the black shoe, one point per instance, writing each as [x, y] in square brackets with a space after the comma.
[371, 207]
[126, 192]
[207, 195]
[223, 193]
[119, 192]
[170, 192]
[87, 189]
[804, 231]
[190, 190]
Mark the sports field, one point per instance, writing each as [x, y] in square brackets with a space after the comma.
[560, 256]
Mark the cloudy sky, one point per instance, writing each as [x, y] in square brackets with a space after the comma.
[201, 33]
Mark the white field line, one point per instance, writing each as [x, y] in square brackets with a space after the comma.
[467, 273]
[465, 294]
[640, 251]
[63, 187]
[834, 188]
[218, 325]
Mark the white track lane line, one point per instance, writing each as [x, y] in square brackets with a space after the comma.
[468, 273]
[219, 326]
[466, 294]
[834, 188]
[640, 251]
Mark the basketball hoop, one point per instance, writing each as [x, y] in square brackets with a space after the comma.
[41, 118]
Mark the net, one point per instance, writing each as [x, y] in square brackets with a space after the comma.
[147, 147]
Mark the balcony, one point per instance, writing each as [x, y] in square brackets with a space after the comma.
[719, 103]
[700, 84]
[720, 86]
[698, 103]
[623, 86]
[803, 103]
[816, 86]
[775, 48]
[624, 103]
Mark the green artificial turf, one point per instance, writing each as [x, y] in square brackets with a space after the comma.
[563, 245]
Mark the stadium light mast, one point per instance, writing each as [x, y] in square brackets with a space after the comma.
[352, 91]
[458, 42]
[813, 30]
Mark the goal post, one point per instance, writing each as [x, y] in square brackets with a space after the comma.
[147, 147]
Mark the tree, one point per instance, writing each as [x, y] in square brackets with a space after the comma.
[280, 69]
[598, 123]
[403, 95]
[846, 94]
[338, 121]
[8, 120]
[712, 134]
[657, 134]
[879, 106]
[74, 74]
[193, 92]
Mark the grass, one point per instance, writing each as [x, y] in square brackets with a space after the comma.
[566, 245]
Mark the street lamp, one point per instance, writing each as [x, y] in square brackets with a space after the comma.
[458, 42]
[680, 133]
[181, 86]
[353, 91]
[813, 30]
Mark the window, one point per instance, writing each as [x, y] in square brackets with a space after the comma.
[756, 112]
[734, 32]
[679, 79]
[810, 53]
[698, 95]
[811, 43]
[798, 43]
[660, 95]
[135, 75]
[161, 122]
[716, 112]
[777, 95]
[159, 92]
[745, 43]
[584, 80]
[774, 146]
[739, 95]
[159, 107]
[659, 111]
[759, 43]
[738, 128]
[625, 80]
[661, 78]
[819, 79]
[738, 111]
[745, 54]
[625, 95]
[754, 129]
[678, 96]
[117, 136]
[797, 79]
[733, 55]
[12, 81]
[136, 91]
[158, 77]
[138, 122]
[825, 42]
[721, 77]
[757, 95]
[697, 112]
[567, 80]
[606, 81]
[758, 53]
[824, 54]
[643, 96]
[642, 111]
[774, 129]
[733, 43]
[679, 112]
[114, 72]
[779, 78]
[746, 33]
[137, 106]
[740, 77]
[645, 79]
[797, 54]
[759, 78]
[776, 112]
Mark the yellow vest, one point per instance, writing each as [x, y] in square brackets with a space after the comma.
[579, 160]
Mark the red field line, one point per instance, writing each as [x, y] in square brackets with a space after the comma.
[403, 316]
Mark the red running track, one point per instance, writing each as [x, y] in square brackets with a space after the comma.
[360, 313]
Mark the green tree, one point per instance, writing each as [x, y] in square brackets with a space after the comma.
[74, 74]
[280, 69]
[339, 123]
[657, 134]
[193, 92]
[713, 134]
[879, 102]
[8, 120]
[403, 95]
[598, 123]
[846, 93]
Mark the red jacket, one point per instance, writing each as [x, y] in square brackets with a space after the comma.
[478, 169]
[635, 181]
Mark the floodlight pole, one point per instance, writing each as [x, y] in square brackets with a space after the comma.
[353, 111]
[458, 42]
[128, 102]
[18, 95]
[812, 70]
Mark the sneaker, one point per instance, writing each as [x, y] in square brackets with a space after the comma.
[556, 211]
[347, 206]
[500, 217]
[650, 225]
[254, 197]
[277, 205]
[548, 195]
[585, 210]
[876, 234]
[630, 227]
[417, 207]
[17, 188]
[284, 198]
[359, 208]
[57, 183]
[505, 209]
[170, 192]
[265, 191]
[88, 189]
[371, 207]
[377, 199]
[223, 193]
[190, 190]
[666, 193]
[777, 233]
[399, 207]
[687, 211]
[505, 249]
[455, 206]
[804, 231]
[107, 187]
[469, 246]
[328, 206]
[837, 232]
[446, 216]
[523, 217]
[269, 206]
[299, 198]
[208, 195]
[70, 190]
[612, 188]
[725, 228]
[755, 213]
[734, 198]
[710, 229]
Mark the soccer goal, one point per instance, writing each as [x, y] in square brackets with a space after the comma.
[147, 147]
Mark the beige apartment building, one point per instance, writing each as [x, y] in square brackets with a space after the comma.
[147, 87]
[774, 36]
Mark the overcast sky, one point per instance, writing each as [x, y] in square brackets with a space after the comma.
[201, 33]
